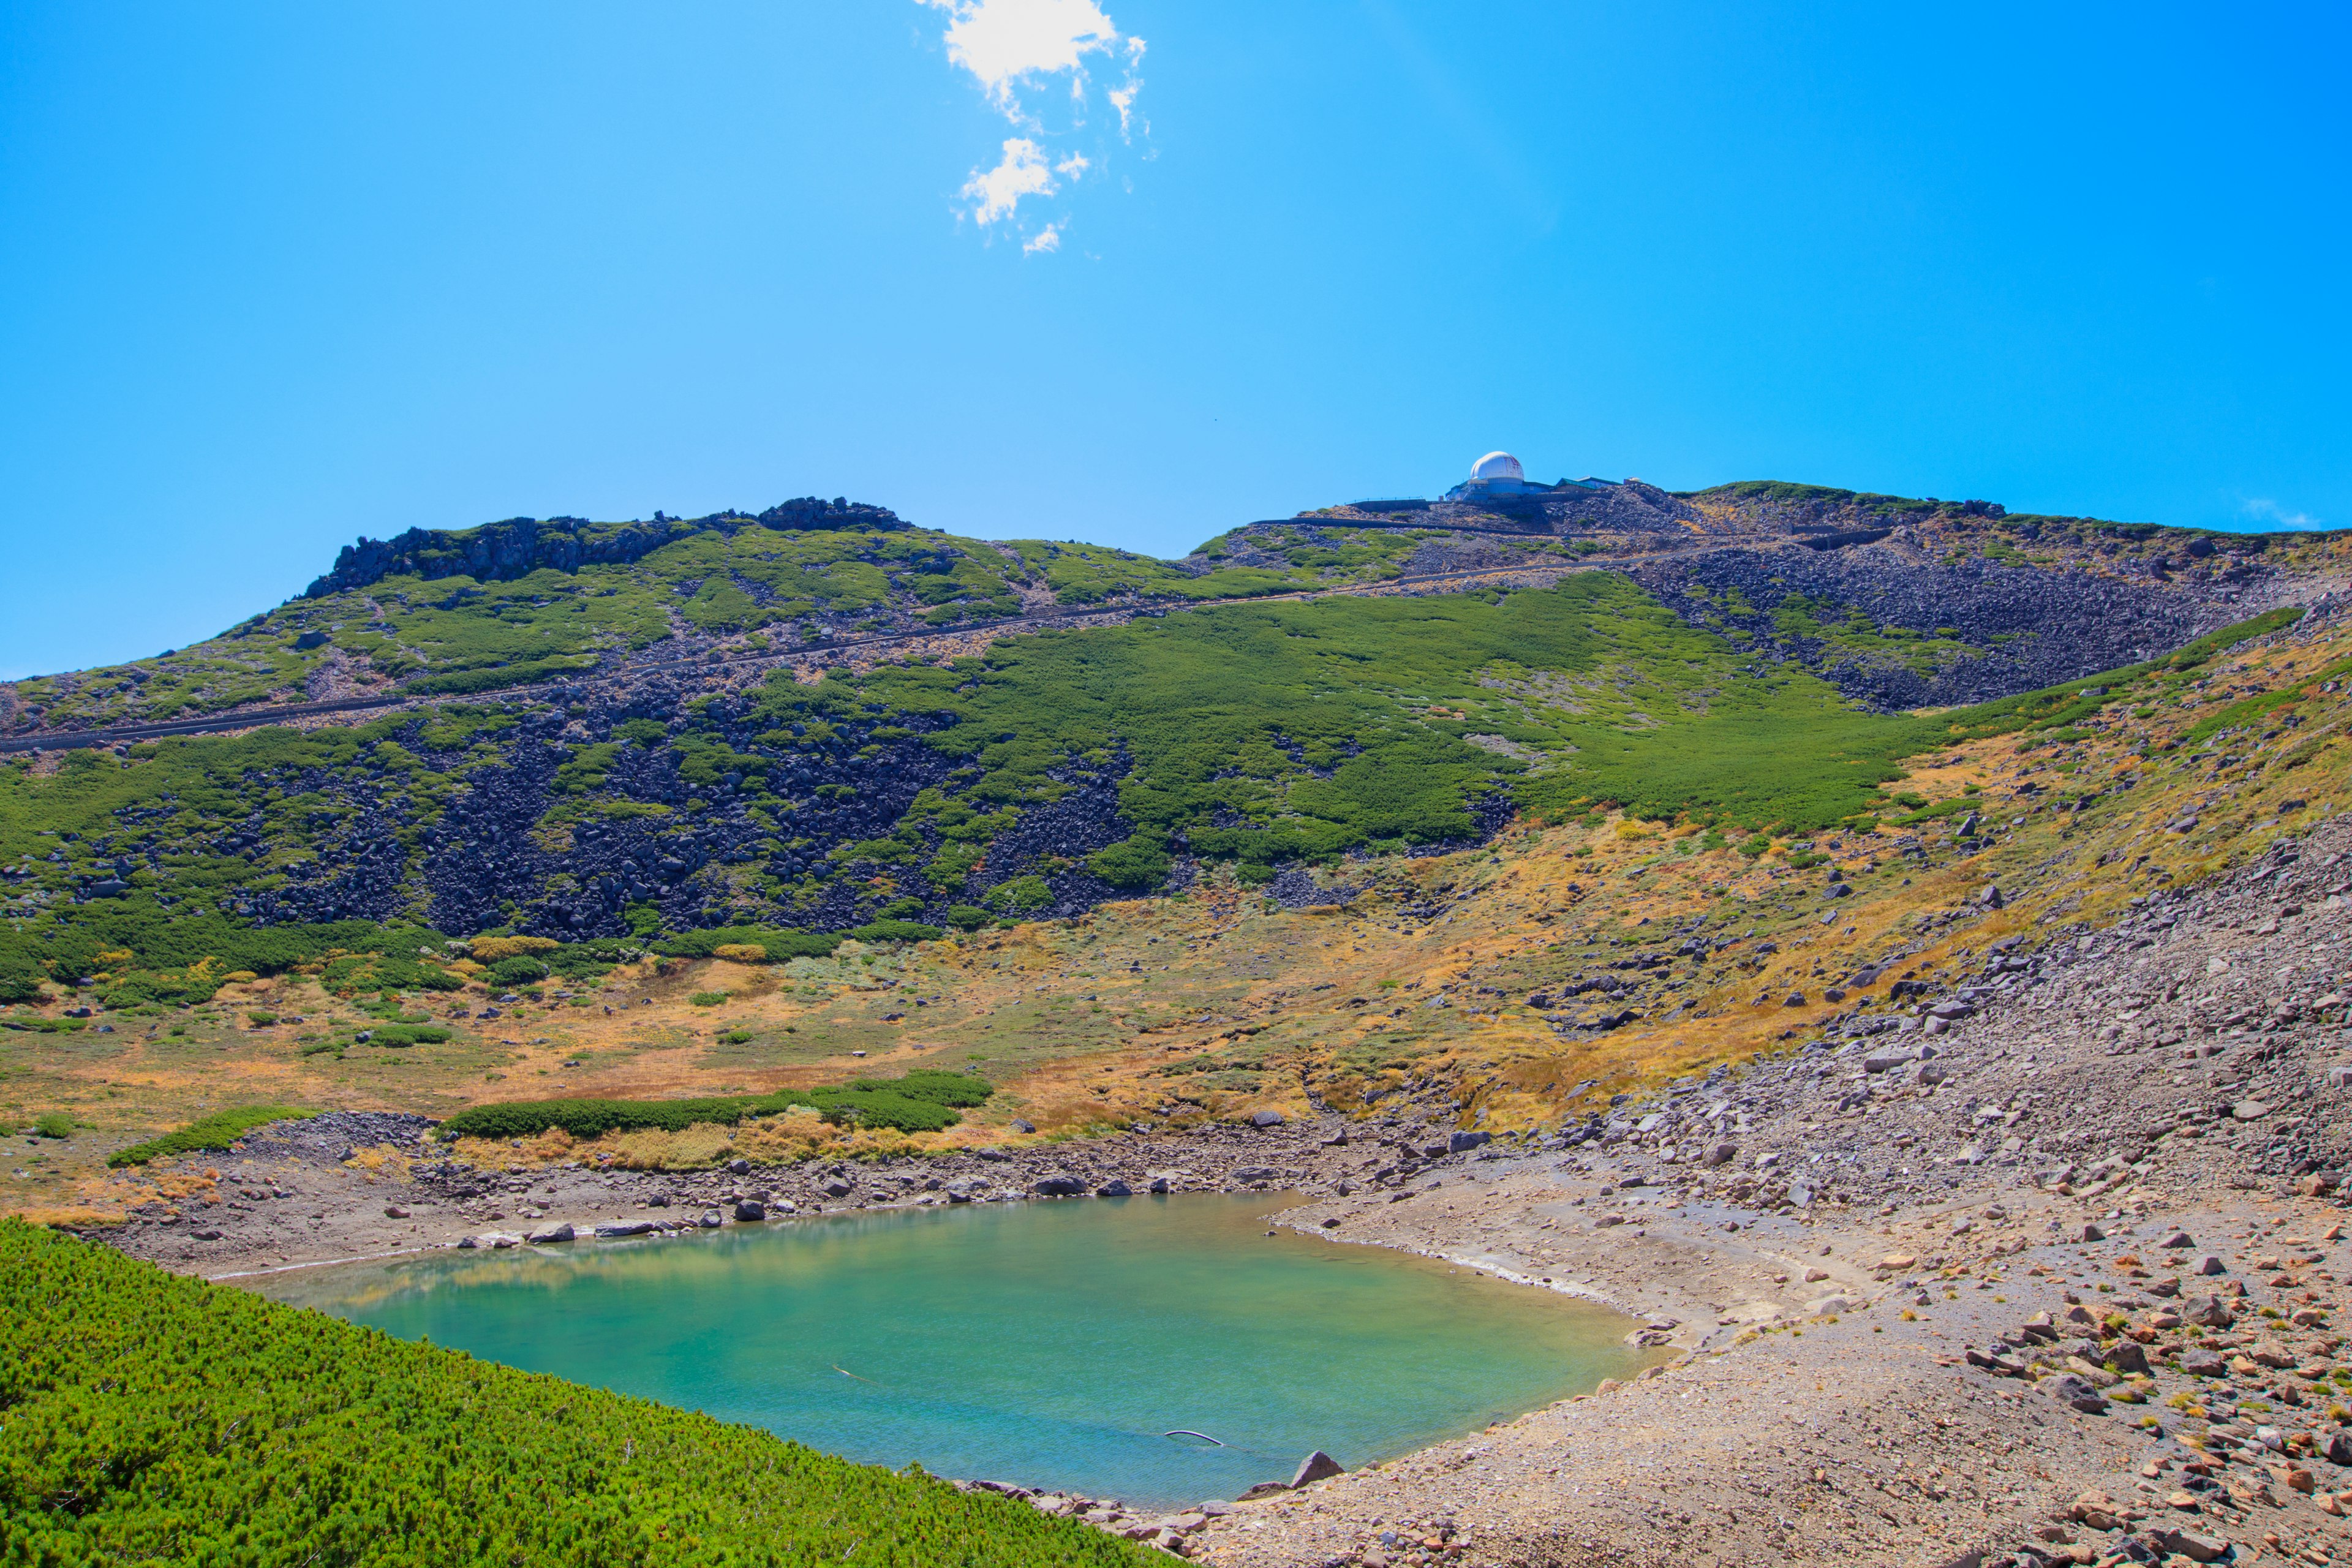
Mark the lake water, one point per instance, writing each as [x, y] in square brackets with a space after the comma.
[1047, 1343]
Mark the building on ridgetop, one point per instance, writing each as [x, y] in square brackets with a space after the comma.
[1498, 474]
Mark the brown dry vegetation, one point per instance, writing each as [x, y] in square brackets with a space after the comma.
[1079, 1023]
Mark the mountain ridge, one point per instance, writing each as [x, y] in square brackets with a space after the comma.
[821, 717]
[334, 642]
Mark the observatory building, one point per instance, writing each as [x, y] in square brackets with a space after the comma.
[1496, 474]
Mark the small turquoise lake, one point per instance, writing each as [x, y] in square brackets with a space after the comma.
[1045, 1343]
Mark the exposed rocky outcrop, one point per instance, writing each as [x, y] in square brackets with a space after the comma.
[521, 545]
[1979, 629]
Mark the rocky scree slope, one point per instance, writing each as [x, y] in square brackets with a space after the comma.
[2073, 1252]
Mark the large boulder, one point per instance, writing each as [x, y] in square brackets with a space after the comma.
[2073, 1390]
[1317, 1467]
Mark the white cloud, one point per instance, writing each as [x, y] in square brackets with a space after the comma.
[1122, 96]
[996, 192]
[2275, 512]
[1004, 43]
[1012, 46]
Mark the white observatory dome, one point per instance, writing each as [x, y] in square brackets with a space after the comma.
[1495, 465]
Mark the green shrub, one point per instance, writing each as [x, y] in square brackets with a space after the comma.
[1136, 863]
[153, 1418]
[261, 1019]
[966, 917]
[54, 1124]
[520, 969]
[896, 930]
[646, 732]
[919, 1102]
[928, 1099]
[20, 977]
[527, 673]
[399, 1037]
[217, 1131]
[1021, 896]
[709, 998]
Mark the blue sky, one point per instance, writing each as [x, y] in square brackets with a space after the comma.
[275, 276]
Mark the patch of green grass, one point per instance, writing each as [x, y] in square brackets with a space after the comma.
[1263, 733]
[217, 1131]
[1851, 630]
[399, 1037]
[2059, 707]
[154, 1418]
[916, 1102]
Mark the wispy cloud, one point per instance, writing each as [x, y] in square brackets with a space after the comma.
[995, 194]
[2271, 512]
[1020, 52]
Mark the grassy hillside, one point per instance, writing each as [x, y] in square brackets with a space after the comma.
[1558, 960]
[155, 1418]
[1047, 774]
[428, 625]
[1050, 772]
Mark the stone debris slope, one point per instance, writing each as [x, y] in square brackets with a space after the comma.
[2061, 1291]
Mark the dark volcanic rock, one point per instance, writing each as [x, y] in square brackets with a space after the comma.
[2019, 628]
[521, 545]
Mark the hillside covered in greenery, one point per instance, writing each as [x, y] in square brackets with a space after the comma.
[522, 602]
[1049, 773]
[153, 1417]
[567, 764]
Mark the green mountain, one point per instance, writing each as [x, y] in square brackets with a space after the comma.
[823, 719]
